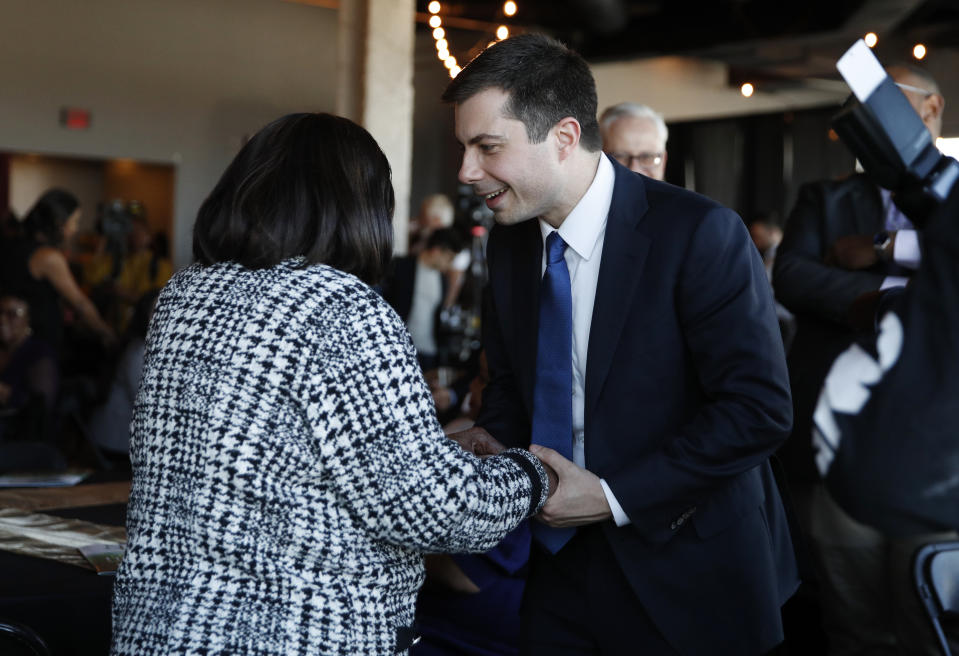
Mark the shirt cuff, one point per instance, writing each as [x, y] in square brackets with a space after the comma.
[905, 250]
[619, 515]
[893, 281]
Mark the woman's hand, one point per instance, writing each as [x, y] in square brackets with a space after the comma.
[477, 441]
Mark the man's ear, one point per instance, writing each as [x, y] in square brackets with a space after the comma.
[567, 133]
[932, 107]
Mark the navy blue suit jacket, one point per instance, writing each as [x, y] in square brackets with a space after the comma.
[687, 396]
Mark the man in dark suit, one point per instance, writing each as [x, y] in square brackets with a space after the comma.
[644, 346]
[846, 242]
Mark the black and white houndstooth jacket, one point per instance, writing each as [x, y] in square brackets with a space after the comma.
[289, 471]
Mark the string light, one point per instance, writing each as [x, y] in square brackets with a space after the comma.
[919, 51]
[871, 39]
[747, 89]
[443, 44]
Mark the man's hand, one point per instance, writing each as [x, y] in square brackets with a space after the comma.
[477, 441]
[854, 252]
[578, 497]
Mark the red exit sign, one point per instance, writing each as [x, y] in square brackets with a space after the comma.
[73, 118]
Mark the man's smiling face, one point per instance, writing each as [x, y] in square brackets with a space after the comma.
[518, 179]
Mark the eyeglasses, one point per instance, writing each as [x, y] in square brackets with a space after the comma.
[644, 160]
[923, 92]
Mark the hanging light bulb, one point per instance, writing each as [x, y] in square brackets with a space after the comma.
[919, 51]
[439, 33]
[871, 39]
[509, 8]
[435, 21]
[433, 7]
[747, 89]
[502, 32]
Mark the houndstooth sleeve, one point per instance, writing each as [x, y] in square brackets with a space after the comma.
[399, 476]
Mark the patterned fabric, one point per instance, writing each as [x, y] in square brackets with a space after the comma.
[289, 471]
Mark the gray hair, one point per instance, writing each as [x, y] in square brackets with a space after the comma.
[624, 109]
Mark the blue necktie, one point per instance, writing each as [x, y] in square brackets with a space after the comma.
[553, 389]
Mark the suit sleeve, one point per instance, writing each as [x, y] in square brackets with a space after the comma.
[732, 338]
[803, 283]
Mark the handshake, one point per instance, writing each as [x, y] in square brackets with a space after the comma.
[576, 496]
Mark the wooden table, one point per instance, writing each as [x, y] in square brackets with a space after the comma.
[67, 605]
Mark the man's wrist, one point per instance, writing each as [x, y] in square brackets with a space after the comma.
[884, 244]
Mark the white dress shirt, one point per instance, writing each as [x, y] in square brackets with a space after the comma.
[584, 230]
[906, 247]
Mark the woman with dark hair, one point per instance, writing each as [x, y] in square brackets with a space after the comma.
[34, 266]
[288, 467]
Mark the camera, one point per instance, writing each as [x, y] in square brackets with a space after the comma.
[888, 138]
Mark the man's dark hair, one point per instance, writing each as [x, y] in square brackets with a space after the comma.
[49, 214]
[315, 186]
[545, 80]
[446, 239]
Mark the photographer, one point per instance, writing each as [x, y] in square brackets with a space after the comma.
[845, 244]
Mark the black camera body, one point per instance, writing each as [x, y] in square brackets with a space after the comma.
[888, 138]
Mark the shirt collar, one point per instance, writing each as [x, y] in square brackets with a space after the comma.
[583, 226]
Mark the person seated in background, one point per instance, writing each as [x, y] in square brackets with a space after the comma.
[33, 266]
[416, 288]
[470, 602]
[635, 136]
[110, 421]
[29, 382]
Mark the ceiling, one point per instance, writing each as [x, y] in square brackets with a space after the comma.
[784, 42]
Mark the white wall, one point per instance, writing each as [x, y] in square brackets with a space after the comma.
[176, 81]
[30, 176]
[684, 88]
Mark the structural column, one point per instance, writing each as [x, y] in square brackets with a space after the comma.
[375, 86]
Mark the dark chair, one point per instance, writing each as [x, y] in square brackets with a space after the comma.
[19, 640]
[936, 576]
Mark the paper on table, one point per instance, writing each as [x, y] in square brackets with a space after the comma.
[44, 479]
[56, 538]
[105, 557]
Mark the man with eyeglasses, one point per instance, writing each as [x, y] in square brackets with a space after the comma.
[635, 136]
[844, 242]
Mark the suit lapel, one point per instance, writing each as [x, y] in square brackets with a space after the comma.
[621, 268]
[522, 286]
